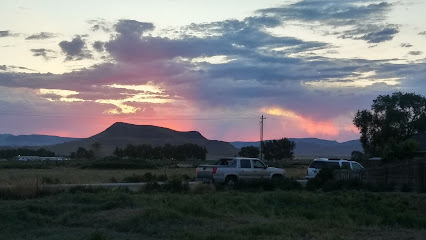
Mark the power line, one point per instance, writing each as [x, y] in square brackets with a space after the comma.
[261, 136]
[72, 115]
[121, 116]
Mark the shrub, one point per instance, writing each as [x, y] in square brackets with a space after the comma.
[25, 189]
[133, 179]
[162, 178]
[324, 175]
[98, 235]
[113, 180]
[49, 180]
[176, 185]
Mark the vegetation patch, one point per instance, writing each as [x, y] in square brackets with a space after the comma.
[232, 214]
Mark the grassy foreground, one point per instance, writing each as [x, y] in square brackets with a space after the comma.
[107, 214]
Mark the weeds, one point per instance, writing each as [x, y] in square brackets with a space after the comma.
[108, 214]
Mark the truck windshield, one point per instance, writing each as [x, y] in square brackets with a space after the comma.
[258, 164]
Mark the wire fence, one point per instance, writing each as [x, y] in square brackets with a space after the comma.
[407, 174]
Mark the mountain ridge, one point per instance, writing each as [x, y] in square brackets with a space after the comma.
[314, 147]
[32, 140]
[121, 134]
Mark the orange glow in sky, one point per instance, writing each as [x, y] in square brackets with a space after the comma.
[312, 127]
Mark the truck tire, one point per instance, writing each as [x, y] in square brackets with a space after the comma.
[231, 181]
[276, 179]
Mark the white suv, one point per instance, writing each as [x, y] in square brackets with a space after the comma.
[333, 163]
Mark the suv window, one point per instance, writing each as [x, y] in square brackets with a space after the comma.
[356, 166]
[245, 163]
[346, 165]
[232, 163]
[332, 165]
[258, 164]
[317, 164]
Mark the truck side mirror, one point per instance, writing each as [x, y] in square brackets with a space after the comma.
[266, 166]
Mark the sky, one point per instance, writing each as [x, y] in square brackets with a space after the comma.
[73, 68]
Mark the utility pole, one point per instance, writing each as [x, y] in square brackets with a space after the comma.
[261, 136]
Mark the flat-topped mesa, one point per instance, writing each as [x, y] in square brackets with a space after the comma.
[121, 129]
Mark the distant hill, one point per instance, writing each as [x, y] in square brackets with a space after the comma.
[121, 134]
[314, 147]
[9, 140]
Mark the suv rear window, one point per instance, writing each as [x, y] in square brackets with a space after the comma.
[324, 164]
[317, 164]
[346, 165]
[332, 165]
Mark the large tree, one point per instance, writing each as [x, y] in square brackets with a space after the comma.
[278, 149]
[392, 118]
[249, 151]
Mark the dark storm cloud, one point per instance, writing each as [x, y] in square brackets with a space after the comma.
[3, 67]
[383, 35]
[328, 10]
[42, 52]
[40, 36]
[4, 33]
[133, 28]
[231, 37]
[365, 21]
[406, 45]
[99, 46]
[75, 49]
[415, 53]
[7, 33]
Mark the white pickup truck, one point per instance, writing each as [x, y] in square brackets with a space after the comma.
[231, 170]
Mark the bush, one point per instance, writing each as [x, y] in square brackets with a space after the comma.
[324, 175]
[162, 178]
[49, 180]
[176, 186]
[290, 184]
[265, 185]
[147, 177]
[98, 235]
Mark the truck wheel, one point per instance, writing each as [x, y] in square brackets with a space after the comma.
[277, 179]
[230, 181]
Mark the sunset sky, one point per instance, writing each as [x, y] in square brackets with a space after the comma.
[73, 68]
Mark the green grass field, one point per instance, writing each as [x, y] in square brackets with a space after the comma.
[232, 214]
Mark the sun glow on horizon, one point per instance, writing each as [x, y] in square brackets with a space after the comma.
[312, 127]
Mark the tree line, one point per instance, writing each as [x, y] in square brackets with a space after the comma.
[10, 153]
[271, 150]
[186, 151]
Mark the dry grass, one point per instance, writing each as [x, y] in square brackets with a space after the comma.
[22, 188]
[78, 176]
[296, 173]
